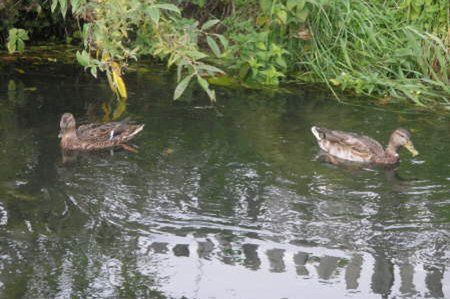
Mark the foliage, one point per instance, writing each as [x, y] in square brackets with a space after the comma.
[389, 49]
[365, 49]
[257, 59]
[16, 40]
[429, 15]
[121, 30]
[36, 18]
[350, 45]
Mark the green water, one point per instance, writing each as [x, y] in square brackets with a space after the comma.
[218, 203]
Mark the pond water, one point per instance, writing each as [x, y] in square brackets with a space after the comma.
[217, 203]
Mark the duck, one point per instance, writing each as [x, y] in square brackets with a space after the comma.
[360, 148]
[95, 136]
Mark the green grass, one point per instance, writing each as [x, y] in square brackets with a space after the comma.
[362, 47]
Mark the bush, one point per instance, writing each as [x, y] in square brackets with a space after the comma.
[383, 49]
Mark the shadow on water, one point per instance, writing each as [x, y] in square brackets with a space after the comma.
[226, 203]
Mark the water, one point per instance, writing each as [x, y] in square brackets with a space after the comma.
[217, 203]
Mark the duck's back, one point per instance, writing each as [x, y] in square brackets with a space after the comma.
[347, 145]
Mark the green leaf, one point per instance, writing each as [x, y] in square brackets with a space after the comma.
[205, 85]
[63, 7]
[290, 4]
[94, 71]
[12, 39]
[180, 67]
[181, 87]
[85, 33]
[213, 45]
[243, 71]
[16, 40]
[20, 45]
[168, 6]
[11, 45]
[75, 5]
[209, 24]
[266, 5]
[223, 40]
[13, 31]
[301, 4]
[195, 54]
[22, 34]
[153, 12]
[261, 46]
[83, 58]
[54, 4]
[296, 3]
[282, 16]
[281, 62]
[200, 3]
[210, 68]
[303, 14]
[174, 57]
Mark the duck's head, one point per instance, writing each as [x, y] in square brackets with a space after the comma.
[402, 137]
[67, 124]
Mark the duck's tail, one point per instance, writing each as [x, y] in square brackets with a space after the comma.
[137, 130]
[317, 132]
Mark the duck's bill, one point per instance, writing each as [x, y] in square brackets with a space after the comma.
[59, 135]
[410, 147]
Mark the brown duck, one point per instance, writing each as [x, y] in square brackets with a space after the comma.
[360, 148]
[95, 136]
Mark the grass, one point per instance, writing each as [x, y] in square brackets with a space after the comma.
[360, 46]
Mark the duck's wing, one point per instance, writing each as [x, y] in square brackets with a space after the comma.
[357, 143]
[81, 130]
[101, 132]
[97, 136]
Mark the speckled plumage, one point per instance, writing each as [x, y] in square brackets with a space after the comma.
[95, 136]
[361, 148]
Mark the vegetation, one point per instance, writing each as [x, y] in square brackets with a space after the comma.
[388, 50]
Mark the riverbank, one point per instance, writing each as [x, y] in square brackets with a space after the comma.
[387, 52]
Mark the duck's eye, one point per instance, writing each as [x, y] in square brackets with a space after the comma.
[402, 136]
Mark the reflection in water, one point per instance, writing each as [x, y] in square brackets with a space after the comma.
[434, 282]
[214, 206]
[205, 249]
[327, 267]
[181, 250]
[300, 260]
[276, 260]
[339, 270]
[353, 272]
[407, 275]
[251, 260]
[383, 276]
[159, 247]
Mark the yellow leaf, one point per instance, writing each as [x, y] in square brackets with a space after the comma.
[167, 152]
[120, 85]
[335, 82]
[110, 80]
[118, 81]
[106, 111]
[105, 56]
[120, 109]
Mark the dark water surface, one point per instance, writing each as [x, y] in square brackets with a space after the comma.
[227, 203]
